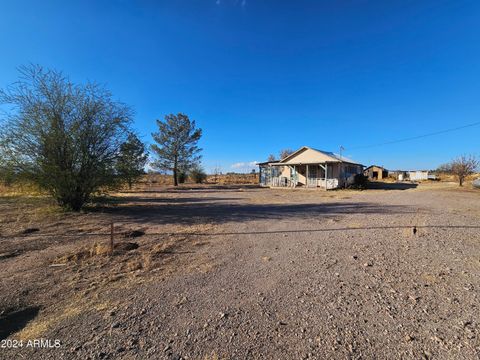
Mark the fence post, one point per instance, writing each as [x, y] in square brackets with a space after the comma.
[111, 237]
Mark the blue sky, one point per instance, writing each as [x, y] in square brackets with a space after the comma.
[262, 75]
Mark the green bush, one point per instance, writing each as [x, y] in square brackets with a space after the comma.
[182, 177]
[359, 182]
[198, 175]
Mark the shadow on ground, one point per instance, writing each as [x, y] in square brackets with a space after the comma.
[190, 210]
[16, 320]
[379, 185]
[193, 189]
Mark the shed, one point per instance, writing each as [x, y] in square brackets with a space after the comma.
[375, 172]
[417, 175]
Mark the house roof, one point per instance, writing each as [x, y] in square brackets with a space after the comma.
[308, 155]
[268, 162]
[377, 166]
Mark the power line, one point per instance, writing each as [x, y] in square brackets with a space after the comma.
[417, 137]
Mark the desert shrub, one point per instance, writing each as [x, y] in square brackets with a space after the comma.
[182, 177]
[198, 175]
[62, 136]
[359, 182]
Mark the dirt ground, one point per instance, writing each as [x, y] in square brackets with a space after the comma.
[237, 272]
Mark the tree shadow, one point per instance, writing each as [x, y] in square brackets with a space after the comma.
[103, 204]
[15, 321]
[193, 188]
[192, 210]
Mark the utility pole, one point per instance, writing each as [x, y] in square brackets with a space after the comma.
[343, 168]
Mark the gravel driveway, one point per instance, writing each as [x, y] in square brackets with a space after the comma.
[287, 275]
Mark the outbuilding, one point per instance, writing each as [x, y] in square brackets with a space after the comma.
[417, 175]
[375, 172]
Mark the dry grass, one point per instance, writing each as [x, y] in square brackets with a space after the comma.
[21, 212]
[232, 179]
[21, 188]
[143, 262]
[97, 249]
[153, 180]
[36, 328]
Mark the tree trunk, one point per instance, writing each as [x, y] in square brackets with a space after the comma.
[460, 180]
[175, 177]
[175, 171]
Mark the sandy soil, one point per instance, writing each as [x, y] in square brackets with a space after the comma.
[241, 272]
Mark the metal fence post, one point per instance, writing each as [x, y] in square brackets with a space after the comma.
[111, 237]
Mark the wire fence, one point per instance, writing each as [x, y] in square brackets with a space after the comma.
[140, 233]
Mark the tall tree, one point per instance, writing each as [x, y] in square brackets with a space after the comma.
[271, 158]
[176, 146]
[62, 136]
[132, 160]
[463, 166]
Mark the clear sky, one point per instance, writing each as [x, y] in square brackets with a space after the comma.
[262, 75]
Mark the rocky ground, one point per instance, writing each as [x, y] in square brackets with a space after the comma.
[240, 272]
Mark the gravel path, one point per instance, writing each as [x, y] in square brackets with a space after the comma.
[291, 275]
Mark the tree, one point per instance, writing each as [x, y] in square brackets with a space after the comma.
[463, 166]
[444, 168]
[7, 172]
[176, 147]
[132, 160]
[198, 174]
[216, 172]
[285, 152]
[62, 136]
[271, 158]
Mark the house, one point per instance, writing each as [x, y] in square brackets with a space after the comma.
[375, 172]
[310, 168]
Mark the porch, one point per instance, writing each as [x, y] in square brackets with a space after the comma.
[323, 176]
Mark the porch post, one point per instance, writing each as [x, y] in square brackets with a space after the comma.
[294, 176]
[306, 178]
[326, 176]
